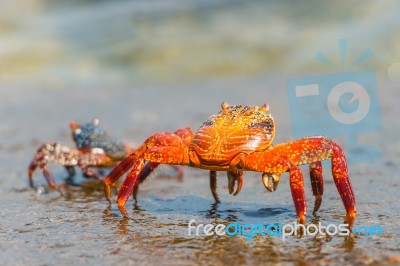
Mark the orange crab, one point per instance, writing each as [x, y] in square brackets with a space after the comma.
[239, 138]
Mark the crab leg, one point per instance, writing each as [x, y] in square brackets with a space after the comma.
[124, 166]
[128, 185]
[296, 184]
[213, 185]
[233, 177]
[116, 173]
[284, 157]
[174, 156]
[342, 182]
[31, 170]
[167, 148]
[297, 189]
[185, 134]
[53, 152]
[63, 155]
[71, 170]
[276, 164]
[87, 159]
[50, 180]
[49, 177]
[317, 184]
[147, 170]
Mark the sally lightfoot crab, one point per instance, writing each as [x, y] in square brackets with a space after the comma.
[94, 148]
[239, 138]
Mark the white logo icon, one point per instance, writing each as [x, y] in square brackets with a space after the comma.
[359, 93]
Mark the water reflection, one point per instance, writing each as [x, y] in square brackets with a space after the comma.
[157, 230]
[213, 212]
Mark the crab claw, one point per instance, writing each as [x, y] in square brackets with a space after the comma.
[233, 177]
[271, 181]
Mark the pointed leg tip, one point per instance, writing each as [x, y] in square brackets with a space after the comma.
[123, 211]
[61, 192]
[350, 218]
[54, 186]
[31, 169]
[216, 198]
[317, 204]
[135, 198]
[31, 183]
[107, 192]
[301, 218]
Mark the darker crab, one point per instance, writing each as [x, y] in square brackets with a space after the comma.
[94, 148]
[239, 138]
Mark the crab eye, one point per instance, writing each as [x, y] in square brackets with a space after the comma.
[77, 131]
[224, 105]
[265, 107]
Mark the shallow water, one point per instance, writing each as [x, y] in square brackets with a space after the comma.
[163, 86]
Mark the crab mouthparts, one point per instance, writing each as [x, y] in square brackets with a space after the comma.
[271, 181]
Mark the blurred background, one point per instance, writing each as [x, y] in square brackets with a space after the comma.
[120, 43]
[93, 50]
[148, 66]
